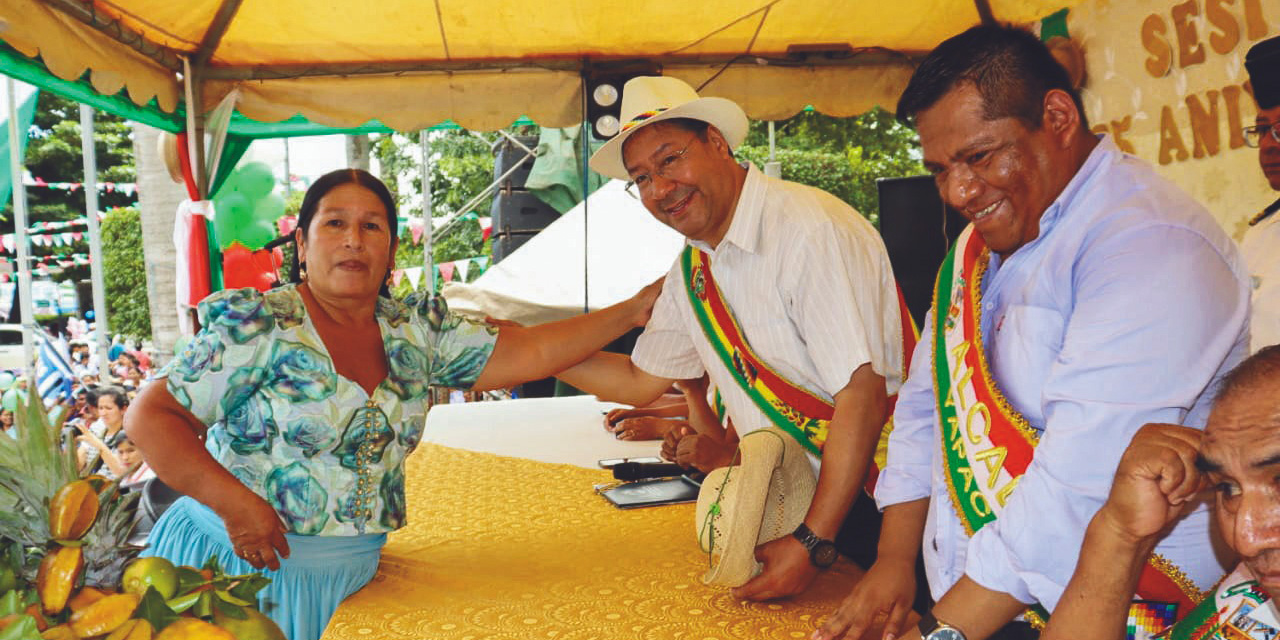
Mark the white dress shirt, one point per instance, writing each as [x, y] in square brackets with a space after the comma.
[1125, 310]
[809, 282]
[1261, 249]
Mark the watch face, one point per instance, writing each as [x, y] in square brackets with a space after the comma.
[824, 554]
[945, 633]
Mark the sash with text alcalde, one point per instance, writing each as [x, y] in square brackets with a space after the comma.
[789, 406]
[986, 444]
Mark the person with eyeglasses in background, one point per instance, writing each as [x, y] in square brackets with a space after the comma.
[1263, 236]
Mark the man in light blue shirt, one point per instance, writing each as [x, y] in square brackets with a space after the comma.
[1111, 299]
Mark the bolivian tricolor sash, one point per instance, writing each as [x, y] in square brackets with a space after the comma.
[1237, 609]
[789, 406]
[987, 444]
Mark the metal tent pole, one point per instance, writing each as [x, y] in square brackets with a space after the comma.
[20, 229]
[428, 260]
[95, 233]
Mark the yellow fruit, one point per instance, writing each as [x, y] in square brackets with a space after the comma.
[105, 615]
[256, 627]
[136, 629]
[73, 510]
[155, 572]
[57, 575]
[60, 632]
[85, 597]
[193, 629]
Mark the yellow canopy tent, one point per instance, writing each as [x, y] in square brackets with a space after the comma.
[411, 64]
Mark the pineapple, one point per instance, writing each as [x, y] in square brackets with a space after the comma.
[33, 467]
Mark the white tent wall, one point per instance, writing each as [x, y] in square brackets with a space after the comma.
[543, 280]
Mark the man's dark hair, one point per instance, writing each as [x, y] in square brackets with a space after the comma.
[1263, 366]
[1011, 68]
[692, 125]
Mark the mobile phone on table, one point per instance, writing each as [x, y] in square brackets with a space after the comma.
[609, 463]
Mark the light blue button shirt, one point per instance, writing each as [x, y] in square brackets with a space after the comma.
[1126, 309]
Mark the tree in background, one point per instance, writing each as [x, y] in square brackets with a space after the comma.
[843, 156]
[462, 166]
[54, 155]
[125, 273]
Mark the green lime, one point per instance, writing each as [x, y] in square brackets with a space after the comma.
[154, 572]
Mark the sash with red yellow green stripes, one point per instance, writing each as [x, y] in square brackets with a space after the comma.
[792, 408]
[987, 445]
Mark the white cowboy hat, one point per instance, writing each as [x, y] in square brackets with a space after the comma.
[763, 498]
[650, 99]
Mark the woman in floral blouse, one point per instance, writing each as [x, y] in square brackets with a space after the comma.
[287, 419]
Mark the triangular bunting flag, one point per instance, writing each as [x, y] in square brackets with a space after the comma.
[396, 276]
[463, 267]
[446, 271]
[415, 276]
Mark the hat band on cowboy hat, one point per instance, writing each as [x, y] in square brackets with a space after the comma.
[650, 99]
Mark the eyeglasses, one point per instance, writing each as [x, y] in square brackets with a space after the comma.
[668, 166]
[1253, 135]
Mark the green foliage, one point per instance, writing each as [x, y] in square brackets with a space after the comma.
[125, 273]
[843, 156]
[462, 166]
[54, 155]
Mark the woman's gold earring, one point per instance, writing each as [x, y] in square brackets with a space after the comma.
[302, 273]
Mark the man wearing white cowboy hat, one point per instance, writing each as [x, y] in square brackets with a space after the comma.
[784, 295]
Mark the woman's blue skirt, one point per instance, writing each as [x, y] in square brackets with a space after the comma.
[320, 572]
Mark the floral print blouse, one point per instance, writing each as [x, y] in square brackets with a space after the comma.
[329, 457]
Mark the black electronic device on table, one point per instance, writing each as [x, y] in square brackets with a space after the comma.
[653, 492]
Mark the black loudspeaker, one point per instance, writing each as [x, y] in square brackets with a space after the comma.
[509, 155]
[519, 211]
[918, 230]
[505, 243]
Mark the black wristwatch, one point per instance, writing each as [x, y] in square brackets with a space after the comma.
[932, 628]
[822, 553]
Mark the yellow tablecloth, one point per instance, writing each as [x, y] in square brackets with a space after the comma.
[508, 548]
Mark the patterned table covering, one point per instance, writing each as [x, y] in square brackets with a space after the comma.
[502, 547]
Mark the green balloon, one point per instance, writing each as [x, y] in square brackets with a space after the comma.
[255, 180]
[268, 209]
[245, 209]
[6, 380]
[10, 399]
